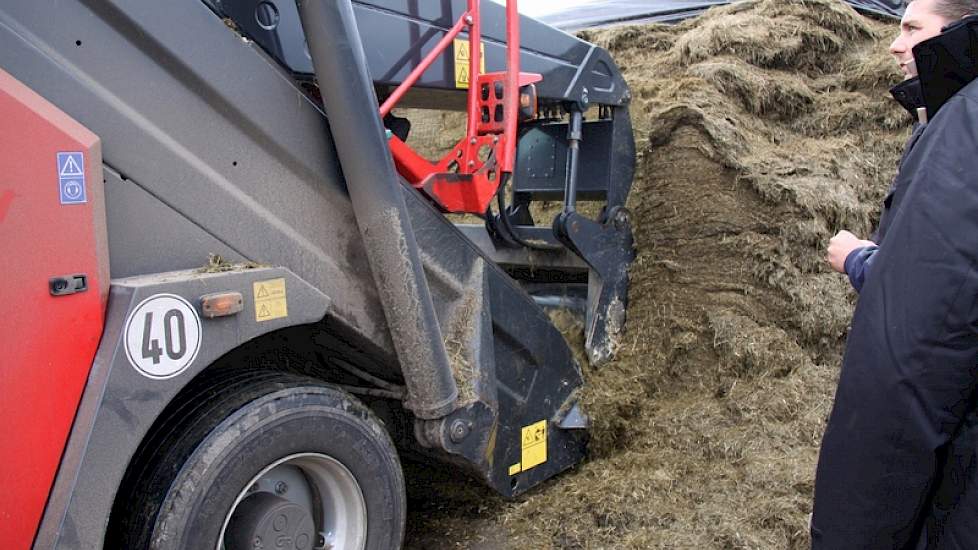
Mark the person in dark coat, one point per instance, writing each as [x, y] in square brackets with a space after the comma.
[898, 467]
[922, 20]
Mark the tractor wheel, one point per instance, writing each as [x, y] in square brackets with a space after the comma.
[292, 465]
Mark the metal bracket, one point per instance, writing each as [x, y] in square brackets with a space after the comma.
[608, 250]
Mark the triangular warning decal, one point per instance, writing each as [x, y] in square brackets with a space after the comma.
[462, 75]
[71, 168]
[263, 312]
[262, 292]
[462, 53]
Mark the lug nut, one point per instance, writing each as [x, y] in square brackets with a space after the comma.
[281, 488]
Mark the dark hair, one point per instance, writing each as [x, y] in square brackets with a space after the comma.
[953, 9]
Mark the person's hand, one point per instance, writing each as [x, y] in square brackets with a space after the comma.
[840, 246]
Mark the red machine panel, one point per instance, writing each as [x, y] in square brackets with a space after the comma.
[53, 243]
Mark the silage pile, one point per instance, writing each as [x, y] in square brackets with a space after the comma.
[763, 127]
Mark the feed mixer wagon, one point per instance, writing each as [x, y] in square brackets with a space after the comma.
[235, 296]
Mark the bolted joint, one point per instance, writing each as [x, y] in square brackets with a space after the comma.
[619, 218]
[459, 430]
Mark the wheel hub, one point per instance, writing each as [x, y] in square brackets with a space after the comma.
[319, 498]
[266, 521]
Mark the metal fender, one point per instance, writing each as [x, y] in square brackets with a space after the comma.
[157, 338]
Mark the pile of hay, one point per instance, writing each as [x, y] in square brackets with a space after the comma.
[763, 128]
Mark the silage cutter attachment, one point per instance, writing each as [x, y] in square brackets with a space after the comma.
[520, 147]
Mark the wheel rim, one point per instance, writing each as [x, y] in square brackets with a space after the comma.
[310, 486]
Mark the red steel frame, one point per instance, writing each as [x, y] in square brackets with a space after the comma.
[48, 342]
[467, 177]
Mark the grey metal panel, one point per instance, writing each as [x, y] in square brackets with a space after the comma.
[207, 125]
[183, 245]
[120, 405]
[541, 164]
[398, 33]
[546, 50]
[391, 27]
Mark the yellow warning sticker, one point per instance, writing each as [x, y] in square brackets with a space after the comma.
[462, 62]
[534, 445]
[270, 300]
[515, 469]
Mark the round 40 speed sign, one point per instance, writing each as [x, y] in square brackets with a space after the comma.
[162, 336]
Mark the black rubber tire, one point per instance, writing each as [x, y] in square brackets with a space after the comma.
[182, 499]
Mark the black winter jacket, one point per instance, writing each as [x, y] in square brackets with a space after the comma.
[898, 467]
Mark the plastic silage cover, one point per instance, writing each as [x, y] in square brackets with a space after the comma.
[595, 13]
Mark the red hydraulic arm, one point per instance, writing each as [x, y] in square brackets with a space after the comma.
[468, 176]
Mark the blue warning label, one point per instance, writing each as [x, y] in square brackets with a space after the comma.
[71, 178]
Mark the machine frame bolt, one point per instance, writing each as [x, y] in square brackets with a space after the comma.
[459, 431]
[281, 488]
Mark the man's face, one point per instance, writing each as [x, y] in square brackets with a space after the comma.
[919, 23]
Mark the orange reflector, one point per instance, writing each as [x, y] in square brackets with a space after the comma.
[528, 103]
[221, 304]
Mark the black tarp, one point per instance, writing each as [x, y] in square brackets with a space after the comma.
[597, 13]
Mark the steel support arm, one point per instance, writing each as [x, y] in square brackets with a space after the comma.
[378, 204]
